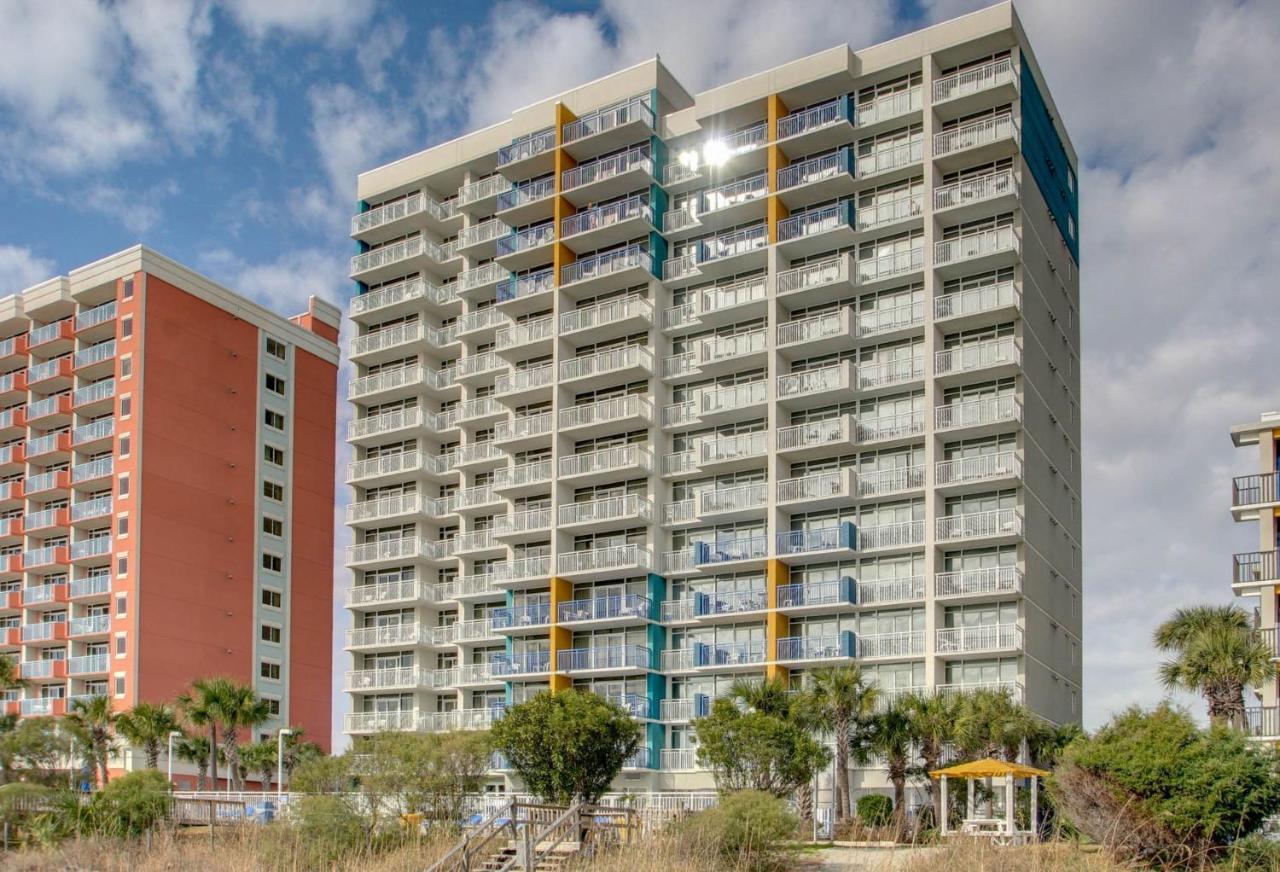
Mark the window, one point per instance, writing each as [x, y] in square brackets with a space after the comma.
[274, 455]
[273, 419]
[122, 525]
[273, 706]
[271, 562]
[267, 669]
[119, 685]
[273, 526]
[126, 406]
[122, 564]
[125, 445]
[121, 646]
[272, 599]
[126, 288]
[123, 488]
[275, 384]
[126, 327]
[276, 348]
[270, 634]
[122, 606]
[273, 491]
[126, 367]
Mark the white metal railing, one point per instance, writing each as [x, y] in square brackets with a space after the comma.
[890, 105]
[482, 276]
[678, 609]
[891, 157]
[606, 168]
[975, 190]
[974, 134]
[482, 190]
[384, 422]
[603, 362]
[631, 457]
[94, 585]
[523, 474]
[637, 109]
[387, 464]
[973, 80]
[996, 409]
[680, 512]
[896, 263]
[385, 380]
[818, 485]
[815, 169]
[606, 312]
[605, 411]
[606, 216]
[814, 118]
[733, 397]
[970, 582]
[475, 540]
[474, 497]
[529, 192]
[895, 534]
[527, 521]
[383, 677]
[830, 431]
[384, 507]
[814, 327]
[597, 559]
[988, 637]
[904, 644]
[388, 255]
[975, 525]
[889, 372]
[826, 378]
[386, 213]
[1000, 464]
[103, 351]
[524, 379]
[892, 480]
[91, 625]
[871, 322]
[527, 146]
[674, 562]
[526, 240]
[971, 301]
[714, 349]
[379, 721]
[513, 335]
[1013, 688]
[87, 664]
[812, 275]
[716, 248]
[523, 568]
[880, 214]
[483, 407]
[734, 499]
[101, 390]
[523, 427]
[979, 244]
[627, 506]
[389, 337]
[96, 546]
[386, 591]
[45, 369]
[891, 590]
[726, 448]
[605, 264]
[485, 231]
[390, 634]
[400, 292]
[475, 364]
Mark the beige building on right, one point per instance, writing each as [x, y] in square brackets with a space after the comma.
[1253, 573]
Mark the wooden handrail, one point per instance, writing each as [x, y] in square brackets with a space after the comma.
[458, 859]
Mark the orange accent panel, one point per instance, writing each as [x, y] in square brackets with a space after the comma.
[310, 597]
[316, 326]
[776, 161]
[561, 255]
[776, 625]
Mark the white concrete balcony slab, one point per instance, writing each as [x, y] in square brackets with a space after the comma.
[715, 306]
[606, 513]
[977, 639]
[999, 524]
[604, 562]
[606, 464]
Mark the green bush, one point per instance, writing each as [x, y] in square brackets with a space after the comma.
[749, 829]
[1253, 854]
[327, 830]
[875, 809]
[131, 804]
[1157, 789]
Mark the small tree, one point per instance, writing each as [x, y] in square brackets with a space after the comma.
[259, 758]
[875, 809]
[753, 750]
[93, 721]
[844, 699]
[1217, 653]
[932, 718]
[567, 746]
[891, 738]
[37, 746]
[131, 805]
[147, 726]
[195, 750]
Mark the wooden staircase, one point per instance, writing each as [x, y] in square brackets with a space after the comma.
[537, 838]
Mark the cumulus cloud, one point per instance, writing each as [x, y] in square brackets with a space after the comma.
[284, 283]
[21, 268]
[335, 20]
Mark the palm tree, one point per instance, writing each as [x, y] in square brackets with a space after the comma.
[147, 726]
[195, 749]
[93, 720]
[772, 696]
[891, 738]
[844, 698]
[297, 750]
[259, 758]
[933, 726]
[991, 723]
[202, 707]
[240, 708]
[1216, 653]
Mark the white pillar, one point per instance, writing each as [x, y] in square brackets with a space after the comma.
[1035, 805]
[1010, 822]
[972, 809]
[942, 787]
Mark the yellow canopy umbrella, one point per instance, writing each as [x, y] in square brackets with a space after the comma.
[989, 768]
[993, 769]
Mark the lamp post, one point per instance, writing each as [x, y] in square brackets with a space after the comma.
[280, 766]
[71, 766]
[173, 734]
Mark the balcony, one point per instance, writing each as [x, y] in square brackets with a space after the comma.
[816, 438]
[977, 583]
[385, 678]
[953, 89]
[384, 508]
[482, 282]
[735, 203]
[605, 562]
[975, 142]
[891, 159]
[384, 221]
[884, 213]
[816, 387]
[729, 656]
[604, 416]
[523, 663]
[523, 431]
[719, 256]
[729, 453]
[608, 128]
[389, 636]
[479, 411]
[616, 365]
[976, 197]
[818, 127]
[887, 646]
[50, 408]
[531, 616]
[891, 536]
[383, 551]
[1003, 354]
[523, 478]
[971, 307]
[404, 591]
[43, 520]
[477, 499]
[678, 610]
[44, 706]
[522, 572]
[525, 292]
[680, 514]
[729, 605]
[523, 525]
[979, 469]
[538, 331]
[480, 196]
[819, 282]
[47, 481]
[46, 631]
[711, 307]
[1260, 722]
[400, 298]
[385, 344]
[1249, 493]
[607, 464]
[387, 385]
[986, 248]
[91, 664]
[691, 164]
[386, 423]
[44, 594]
[527, 202]
[382, 721]
[893, 373]
[614, 611]
[50, 555]
[837, 487]
[61, 331]
[607, 225]
[608, 512]
[816, 649]
[477, 543]
[986, 414]
[606, 270]
[604, 179]
[390, 261]
[478, 367]
[1250, 569]
[527, 248]
[83, 588]
[823, 543]
[684, 710]
[95, 546]
[818, 596]
[889, 106]
[978, 639]
[732, 554]
[885, 267]
[737, 502]
[58, 368]
[735, 403]
[615, 659]
[817, 178]
[609, 319]
[517, 157]
[891, 590]
[995, 524]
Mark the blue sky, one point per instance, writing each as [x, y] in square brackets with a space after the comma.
[228, 133]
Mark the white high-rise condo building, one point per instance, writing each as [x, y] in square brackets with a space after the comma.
[1253, 573]
[656, 390]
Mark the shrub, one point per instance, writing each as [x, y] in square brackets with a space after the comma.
[749, 829]
[875, 809]
[327, 830]
[753, 750]
[1158, 790]
[131, 804]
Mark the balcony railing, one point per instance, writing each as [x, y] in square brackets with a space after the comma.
[815, 434]
[889, 211]
[973, 80]
[977, 412]
[975, 190]
[635, 110]
[388, 255]
[606, 312]
[91, 663]
[825, 378]
[890, 105]
[482, 189]
[1252, 490]
[838, 536]
[891, 156]
[613, 557]
[523, 474]
[386, 591]
[886, 266]
[606, 216]
[977, 638]
[717, 248]
[978, 355]
[91, 625]
[978, 582]
[92, 586]
[527, 146]
[734, 397]
[722, 449]
[817, 593]
[391, 634]
[717, 299]
[817, 647]
[982, 467]
[94, 547]
[528, 192]
[731, 550]
[891, 590]
[729, 602]
[485, 231]
[979, 244]
[630, 457]
[379, 721]
[628, 506]
[604, 362]
[975, 525]
[604, 411]
[974, 134]
[893, 534]
[819, 485]
[1254, 566]
[401, 292]
[480, 276]
[606, 168]
[1262, 721]
[629, 605]
[605, 657]
[972, 301]
[816, 221]
[814, 118]
[411, 205]
[743, 497]
[605, 264]
[384, 422]
[527, 615]
[384, 507]
[47, 332]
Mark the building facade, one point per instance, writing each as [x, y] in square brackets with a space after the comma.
[655, 390]
[166, 491]
[1253, 573]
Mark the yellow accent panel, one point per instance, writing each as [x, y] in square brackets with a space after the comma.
[776, 161]
[560, 254]
[561, 638]
[776, 624]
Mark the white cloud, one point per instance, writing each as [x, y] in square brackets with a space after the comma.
[21, 268]
[283, 284]
[335, 20]
[166, 38]
[136, 210]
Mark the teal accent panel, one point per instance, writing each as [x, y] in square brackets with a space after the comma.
[657, 635]
[657, 738]
[659, 202]
[658, 149]
[511, 602]
[657, 593]
[511, 693]
[846, 107]
[657, 253]
[1047, 162]
[657, 691]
